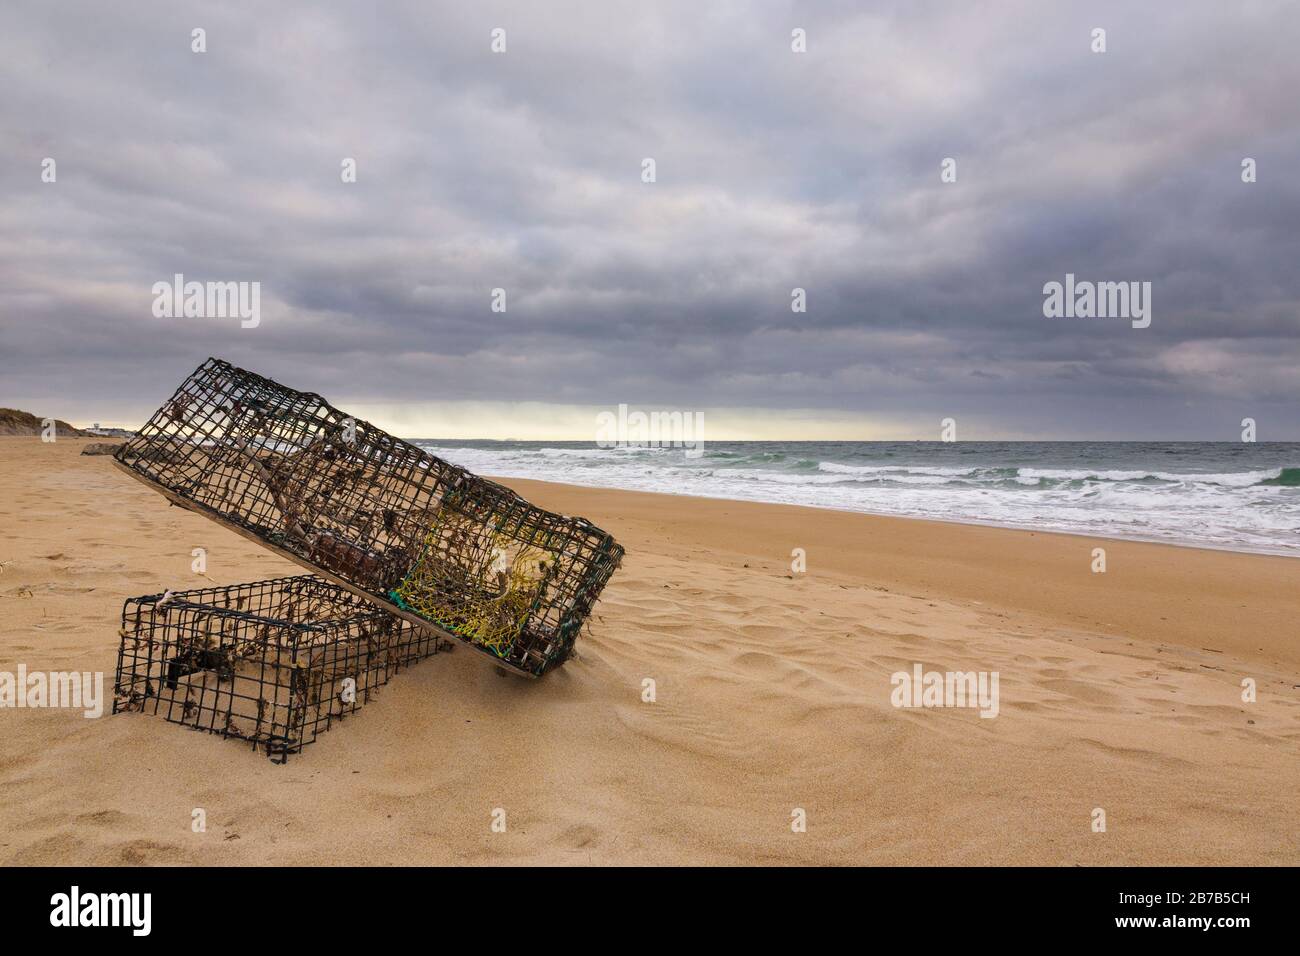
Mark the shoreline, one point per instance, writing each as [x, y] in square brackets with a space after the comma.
[1241, 497]
[963, 522]
[985, 523]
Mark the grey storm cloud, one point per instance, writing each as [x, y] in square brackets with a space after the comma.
[775, 170]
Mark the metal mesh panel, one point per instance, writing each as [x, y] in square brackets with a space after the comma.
[274, 662]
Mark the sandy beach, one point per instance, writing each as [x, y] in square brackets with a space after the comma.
[1119, 690]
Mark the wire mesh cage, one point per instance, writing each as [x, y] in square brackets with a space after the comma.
[274, 663]
[411, 532]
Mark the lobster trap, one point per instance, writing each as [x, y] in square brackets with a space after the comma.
[410, 532]
[274, 663]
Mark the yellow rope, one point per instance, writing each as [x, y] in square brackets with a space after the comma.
[477, 583]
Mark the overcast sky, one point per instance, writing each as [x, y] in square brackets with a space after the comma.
[522, 170]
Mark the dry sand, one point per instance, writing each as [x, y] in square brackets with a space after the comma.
[1119, 690]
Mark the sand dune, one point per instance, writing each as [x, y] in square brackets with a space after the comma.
[16, 422]
[1119, 690]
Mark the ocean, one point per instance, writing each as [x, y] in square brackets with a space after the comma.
[1235, 496]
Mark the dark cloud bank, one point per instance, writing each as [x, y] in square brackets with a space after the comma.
[775, 170]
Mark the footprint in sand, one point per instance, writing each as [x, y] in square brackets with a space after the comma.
[579, 837]
[105, 818]
[139, 852]
[1088, 693]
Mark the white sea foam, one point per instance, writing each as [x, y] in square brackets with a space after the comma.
[893, 470]
[1119, 498]
[1237, 479]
